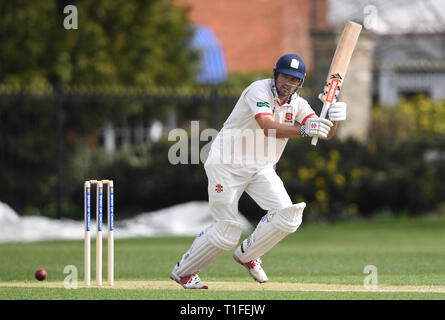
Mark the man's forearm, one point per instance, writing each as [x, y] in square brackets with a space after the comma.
[279, 130]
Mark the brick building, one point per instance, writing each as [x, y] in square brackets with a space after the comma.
[254, 33]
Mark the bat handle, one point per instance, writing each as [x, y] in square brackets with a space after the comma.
[323, 113]
[314, 141]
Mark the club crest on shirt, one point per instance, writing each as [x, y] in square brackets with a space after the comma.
[219, 188]
[289, 116]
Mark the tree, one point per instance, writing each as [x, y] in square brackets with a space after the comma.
[126, 42]
[117, 43]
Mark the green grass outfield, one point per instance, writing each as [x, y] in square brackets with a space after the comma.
[319, 261]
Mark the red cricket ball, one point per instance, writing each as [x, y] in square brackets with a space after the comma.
[41, 274]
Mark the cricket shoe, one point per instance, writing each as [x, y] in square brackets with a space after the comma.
[191, 281]
[254, 268]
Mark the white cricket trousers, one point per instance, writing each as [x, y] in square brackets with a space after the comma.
[225, 189]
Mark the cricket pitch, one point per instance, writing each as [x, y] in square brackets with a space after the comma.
[233, 286]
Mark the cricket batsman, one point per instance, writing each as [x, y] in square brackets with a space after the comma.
[265, 116]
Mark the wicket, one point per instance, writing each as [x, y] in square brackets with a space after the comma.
[110, 217]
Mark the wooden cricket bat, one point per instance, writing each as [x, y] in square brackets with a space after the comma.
[339, 66]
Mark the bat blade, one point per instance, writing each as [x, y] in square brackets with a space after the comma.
[339, 66]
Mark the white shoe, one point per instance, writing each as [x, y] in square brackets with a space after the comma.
[254, 268]
[191, 281]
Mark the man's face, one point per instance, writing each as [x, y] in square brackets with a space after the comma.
[286, 85]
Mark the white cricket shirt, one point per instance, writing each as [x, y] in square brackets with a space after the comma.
[241, 145]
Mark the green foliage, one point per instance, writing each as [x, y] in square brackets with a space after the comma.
[343, 179]
[411, 118]
[242, 80]
[144, 178]
[337, 180]
[117, 42]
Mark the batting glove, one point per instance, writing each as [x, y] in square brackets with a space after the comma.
[337, 111]
[317, 127]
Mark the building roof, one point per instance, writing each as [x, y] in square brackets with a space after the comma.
[213, 63]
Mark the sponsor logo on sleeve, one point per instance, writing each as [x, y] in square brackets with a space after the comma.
[263, 104]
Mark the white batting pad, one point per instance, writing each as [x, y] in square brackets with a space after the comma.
[225, 234]
[290, 218]
[272, 228]
[209, 245]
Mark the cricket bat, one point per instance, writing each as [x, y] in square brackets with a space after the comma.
[338, 68]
